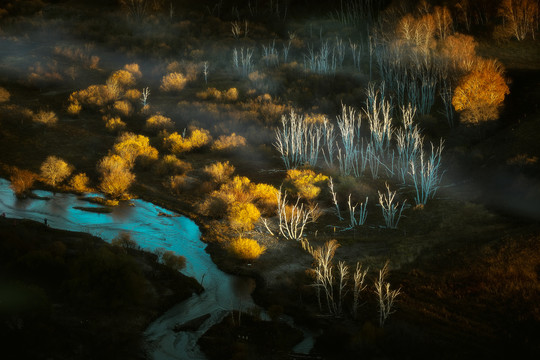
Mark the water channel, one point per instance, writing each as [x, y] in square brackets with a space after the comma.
[151, 231]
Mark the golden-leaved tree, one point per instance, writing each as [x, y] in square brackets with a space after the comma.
[55, 170]
[116, 176]
[481, 92]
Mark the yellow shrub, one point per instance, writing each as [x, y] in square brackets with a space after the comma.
[131, 146]
[315, 118]
[246, 249]
[4, 95]
[228, 142]
[122, 107]
[159, 122]
[220, 171]
[178, 144]
[132, 95]
[122, 78]
[170, 164]
[114, 123]
[231, 94]
[210, 93]
[94, 95]
[265, 198]
[173, 82]
[304, 183]
[74, 108]
[79, 183]
[134, 70]
[241, 216]
[45, 117]
[238, 189]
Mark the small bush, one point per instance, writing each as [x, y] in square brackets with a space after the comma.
[178, 144]
[122, 78]
[220, 171]
[95, 95]
[114, 124]
[54, 170]
[159, 122]
[74, 108]
[134, 70]
[132, 95]
[122, 107]
[124, 240]
[170, 164]
[4, 95]
[210, 93]
[181, 183]
[246, 249]
[175, 262]
[242, 216]
[21, 181]
[45, 117]
[131, 147]
[173, 82]
[304, 183]
[265, 198]
[231, 94]
[225, 142]
[79, 183]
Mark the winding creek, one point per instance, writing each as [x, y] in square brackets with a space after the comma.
[151, 231]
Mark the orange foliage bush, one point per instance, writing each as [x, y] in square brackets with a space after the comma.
[4, 95]
[304, 183]
[79, 183]
[74, 108]
[225, 142]
[173, 82]
[198, 138]
[122, 107]
[246, 249]
[94, 95]
[220, 171]
[122, 78]
[21, 180]
[460, 49]
[134, 70]
[131, 146]
[481, 92]
[114, 123]
[170, 164]
[242, 216]
[265, 198]
[132, 95]
[45, 117]
[159, 122]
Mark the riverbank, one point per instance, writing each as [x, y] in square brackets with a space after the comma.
[72, 295]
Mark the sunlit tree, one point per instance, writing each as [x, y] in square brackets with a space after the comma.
[480, 93]
[115, 175]
[520, 17]
[54, 170]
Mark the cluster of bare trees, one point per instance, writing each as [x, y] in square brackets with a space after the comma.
[334, 282]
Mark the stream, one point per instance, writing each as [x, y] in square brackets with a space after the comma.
[179, 234]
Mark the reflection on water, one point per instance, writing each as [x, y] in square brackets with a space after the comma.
[151, 231]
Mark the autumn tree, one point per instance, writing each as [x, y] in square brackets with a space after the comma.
[116, 176]
[520, 17]
[21, 180]
[480, 93]
[246, 249]
[54, 170]
[131, 146]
